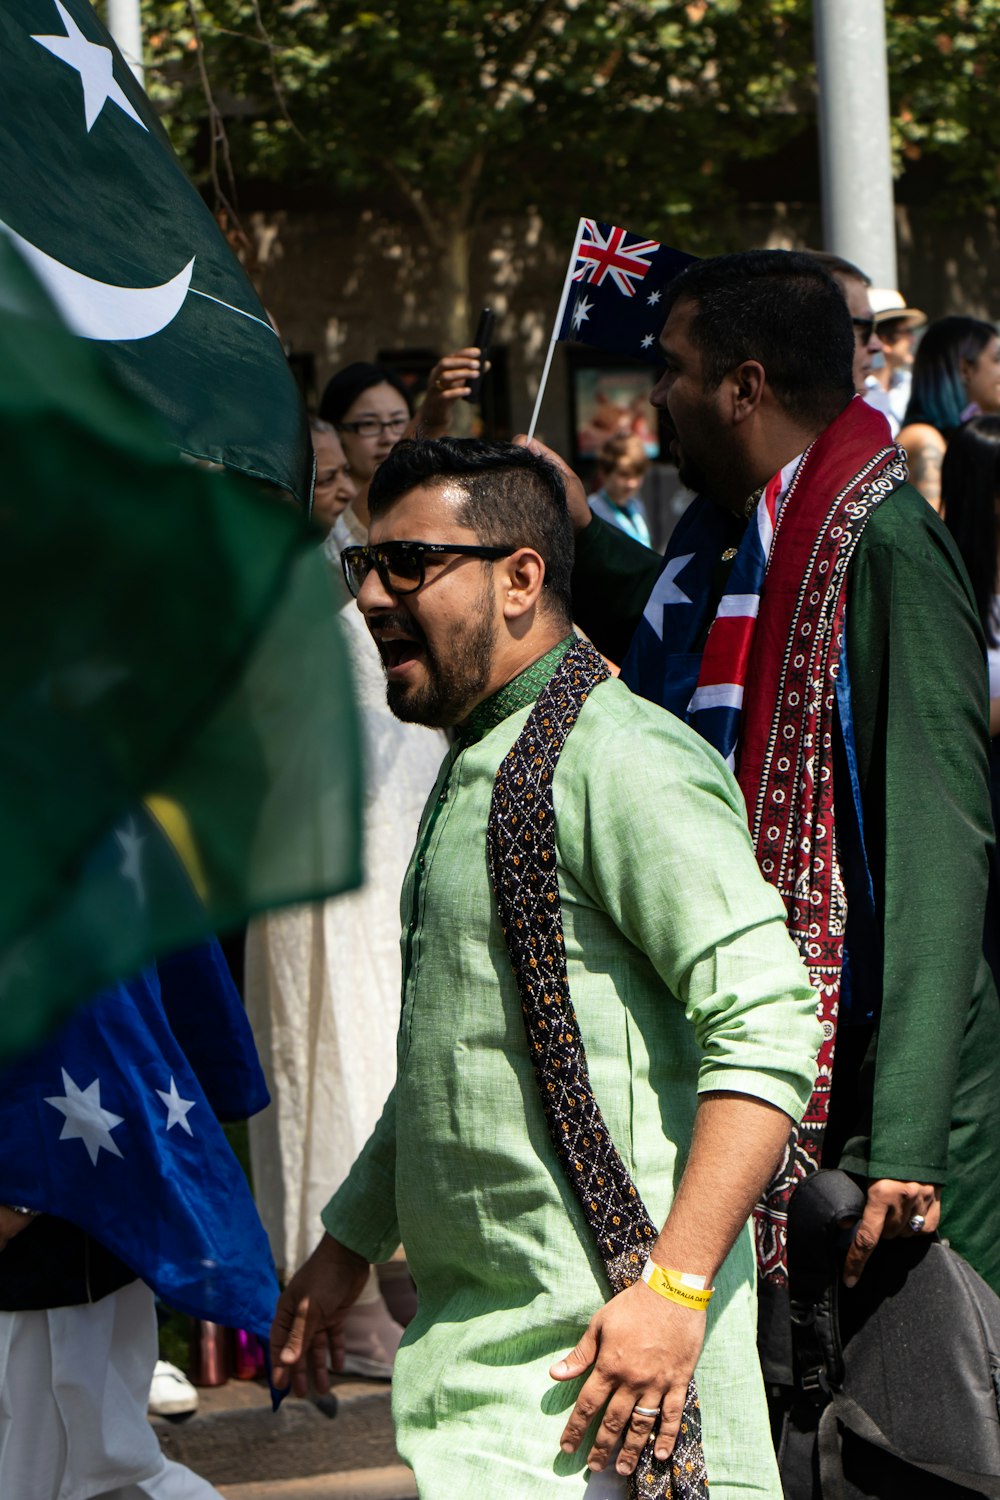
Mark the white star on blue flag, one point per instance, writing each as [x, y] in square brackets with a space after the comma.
[581, 311]
[177, 1108]
[85, 1120]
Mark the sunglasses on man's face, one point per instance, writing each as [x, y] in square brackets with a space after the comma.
[401, 565]
[864, 328]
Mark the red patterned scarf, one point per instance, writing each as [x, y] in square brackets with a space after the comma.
[785, 756]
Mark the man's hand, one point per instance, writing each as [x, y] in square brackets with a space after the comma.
[643, 1349]
[12, 1224]
[450, 380]
[576, 495]
[889, 1207]
[310, 1316]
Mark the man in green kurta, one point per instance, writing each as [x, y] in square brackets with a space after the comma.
[696, 1014]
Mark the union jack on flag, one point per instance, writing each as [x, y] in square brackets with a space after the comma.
[613, 290]
[606, 254]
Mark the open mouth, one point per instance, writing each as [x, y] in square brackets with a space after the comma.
[398, 654]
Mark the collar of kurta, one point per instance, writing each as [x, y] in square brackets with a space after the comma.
[518, 693]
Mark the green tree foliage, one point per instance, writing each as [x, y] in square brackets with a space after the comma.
[943, 61]
[635, 110]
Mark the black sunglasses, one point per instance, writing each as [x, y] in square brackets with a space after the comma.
[865, 328]
[400, 565]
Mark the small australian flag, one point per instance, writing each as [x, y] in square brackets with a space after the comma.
[614, 287]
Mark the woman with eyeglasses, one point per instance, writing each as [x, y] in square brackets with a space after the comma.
[372, 409]
[970, 507]
[956, 375]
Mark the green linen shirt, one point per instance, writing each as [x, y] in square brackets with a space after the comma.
[684, 981]
[917, 1096]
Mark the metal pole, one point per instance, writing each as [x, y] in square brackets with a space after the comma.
[855, 160]
[125, 25]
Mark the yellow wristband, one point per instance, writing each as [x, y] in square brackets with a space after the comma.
[675, 1287]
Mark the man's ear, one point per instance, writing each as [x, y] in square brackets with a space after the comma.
[522, 576]
[747, 384]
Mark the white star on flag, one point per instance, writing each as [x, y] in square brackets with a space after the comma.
[95, 65]
[581, 312]
[665, 592]
[85, 1120]
[177, 1108]
[653, 298]
[130, 843]
[647, 342]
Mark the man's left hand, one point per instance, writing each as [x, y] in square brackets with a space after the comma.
[643, 1349]
[889, 1207]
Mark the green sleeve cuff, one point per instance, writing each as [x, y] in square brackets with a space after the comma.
[364, 1228]
[896, 1171]
[784, 1093]
[362, 1212]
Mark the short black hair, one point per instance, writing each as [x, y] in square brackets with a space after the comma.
[836, 265]
[513, 497]
[778, 307]
[344, 388]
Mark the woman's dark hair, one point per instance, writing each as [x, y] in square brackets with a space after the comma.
[513, 498]
[344, 388]
[970, 487]
[937, 395]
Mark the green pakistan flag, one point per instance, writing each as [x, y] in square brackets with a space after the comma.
[93, 197]
[178, 742]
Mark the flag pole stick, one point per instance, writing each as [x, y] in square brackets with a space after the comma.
[567, 283]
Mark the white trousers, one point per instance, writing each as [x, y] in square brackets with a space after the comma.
[74, 1386]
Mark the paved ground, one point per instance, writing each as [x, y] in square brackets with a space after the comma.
[338, 1447]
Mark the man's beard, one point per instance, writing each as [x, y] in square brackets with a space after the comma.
[453, 685]
[691, 476]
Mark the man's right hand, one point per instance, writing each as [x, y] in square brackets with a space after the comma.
[310, 1314]
[576, 496]
[12, 1224]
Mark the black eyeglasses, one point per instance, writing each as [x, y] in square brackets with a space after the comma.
[865, 328]
[400, 565]
[371, 427]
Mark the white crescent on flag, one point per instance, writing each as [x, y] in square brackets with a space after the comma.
[99, 309]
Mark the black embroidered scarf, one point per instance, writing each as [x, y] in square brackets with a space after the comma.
[521, 851]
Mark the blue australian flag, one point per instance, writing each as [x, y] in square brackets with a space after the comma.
[614, 290]
[110, 1127]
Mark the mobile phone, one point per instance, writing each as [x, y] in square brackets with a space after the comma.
[482, 341]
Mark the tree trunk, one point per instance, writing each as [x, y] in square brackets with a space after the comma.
[458, 317]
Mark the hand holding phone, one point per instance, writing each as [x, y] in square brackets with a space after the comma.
[482, 341]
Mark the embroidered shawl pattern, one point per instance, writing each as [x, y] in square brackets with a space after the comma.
[521, 849]
[785, 759]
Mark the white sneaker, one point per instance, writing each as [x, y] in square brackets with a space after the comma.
[171, 1394]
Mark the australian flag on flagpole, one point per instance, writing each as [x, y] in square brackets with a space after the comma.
[614, 288]
[110, 1127]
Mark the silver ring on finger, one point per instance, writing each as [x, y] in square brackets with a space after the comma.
[917, 1223]
[645, 1411]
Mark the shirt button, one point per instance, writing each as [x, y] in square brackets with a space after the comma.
[411, 929]
[421, 863]
[444, 795]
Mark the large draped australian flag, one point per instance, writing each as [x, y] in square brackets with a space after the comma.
[110, 1126]
[93, 197]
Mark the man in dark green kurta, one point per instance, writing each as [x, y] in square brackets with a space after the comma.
[916, 1086]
